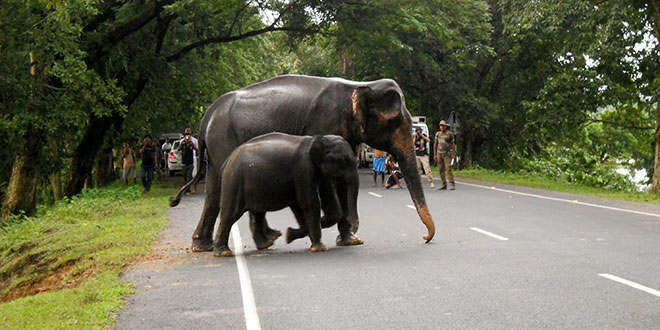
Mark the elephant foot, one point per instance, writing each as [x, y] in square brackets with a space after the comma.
[319, 248]
[199, 245]
[294, 234]
[349, 240]
[223, 252]
[268, 240]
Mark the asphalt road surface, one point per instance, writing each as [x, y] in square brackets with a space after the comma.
[503, 257]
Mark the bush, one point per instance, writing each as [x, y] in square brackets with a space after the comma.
[576, 166]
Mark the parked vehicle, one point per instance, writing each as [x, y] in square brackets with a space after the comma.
[174, 159]
[366, 155]
[171, 136]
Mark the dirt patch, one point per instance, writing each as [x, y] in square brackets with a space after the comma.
[39, 277]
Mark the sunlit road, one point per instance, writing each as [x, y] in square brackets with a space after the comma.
[499, 260]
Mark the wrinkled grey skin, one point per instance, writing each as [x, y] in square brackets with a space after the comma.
[277, 170]
[372, 112]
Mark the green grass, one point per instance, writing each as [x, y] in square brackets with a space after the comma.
[539, 181]
[72, 254]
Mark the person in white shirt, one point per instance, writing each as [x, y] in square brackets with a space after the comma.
[167, 146]
[195, 167]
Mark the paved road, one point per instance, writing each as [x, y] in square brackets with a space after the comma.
[500, 260]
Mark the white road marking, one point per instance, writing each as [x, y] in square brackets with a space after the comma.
[249, 306]
[412, 207]
[563, 200]
[487, 233]
[631, 284]
[375, 194]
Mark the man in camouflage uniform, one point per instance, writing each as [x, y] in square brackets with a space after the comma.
[444, 150]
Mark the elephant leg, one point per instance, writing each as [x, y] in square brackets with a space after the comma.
[263, 235]
[346, 236]
[202, 239]
[294, 234]
[329, 204]
[227, 220]
[312, 218]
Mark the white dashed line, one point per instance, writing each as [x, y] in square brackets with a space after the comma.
[375, 194]
[487, 233]
[563, 200]
[631, 284]
[412, 207]
[249, 306]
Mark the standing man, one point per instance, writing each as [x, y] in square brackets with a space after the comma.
[422, 154]
[445, 151]
[149, 163]
[128, 157]
[187, 148]
[166, 147]
[379, 166]
[195, 165]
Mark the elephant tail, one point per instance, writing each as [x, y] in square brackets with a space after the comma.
[174, 201]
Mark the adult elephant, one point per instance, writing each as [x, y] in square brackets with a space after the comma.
[373, 112]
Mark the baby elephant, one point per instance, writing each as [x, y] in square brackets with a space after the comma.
[276, 170]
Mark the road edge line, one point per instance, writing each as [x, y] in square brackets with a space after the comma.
[249, 306]
[562, 200]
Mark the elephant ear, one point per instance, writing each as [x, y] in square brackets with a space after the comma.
[384, 107]
[359, 102]
[317, 150]
[387, 109]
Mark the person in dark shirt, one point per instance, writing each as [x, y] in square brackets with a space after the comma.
[187, 148]
[422, 153]
[149, 163]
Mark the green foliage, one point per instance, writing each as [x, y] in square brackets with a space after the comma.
[76, 249]
[576, 165]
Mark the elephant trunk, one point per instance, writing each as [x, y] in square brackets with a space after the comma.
[405, 154]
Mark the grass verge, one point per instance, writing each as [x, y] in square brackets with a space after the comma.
[60, 269]
[538, 181]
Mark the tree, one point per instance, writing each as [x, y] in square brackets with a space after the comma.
[96, 59]
[47, 88]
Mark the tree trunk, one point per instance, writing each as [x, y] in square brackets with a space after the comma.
[56, 183]
[85, 153]
[468, 153]
[55, 178]
[22, 189]
[104, 166]
[655, 186]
